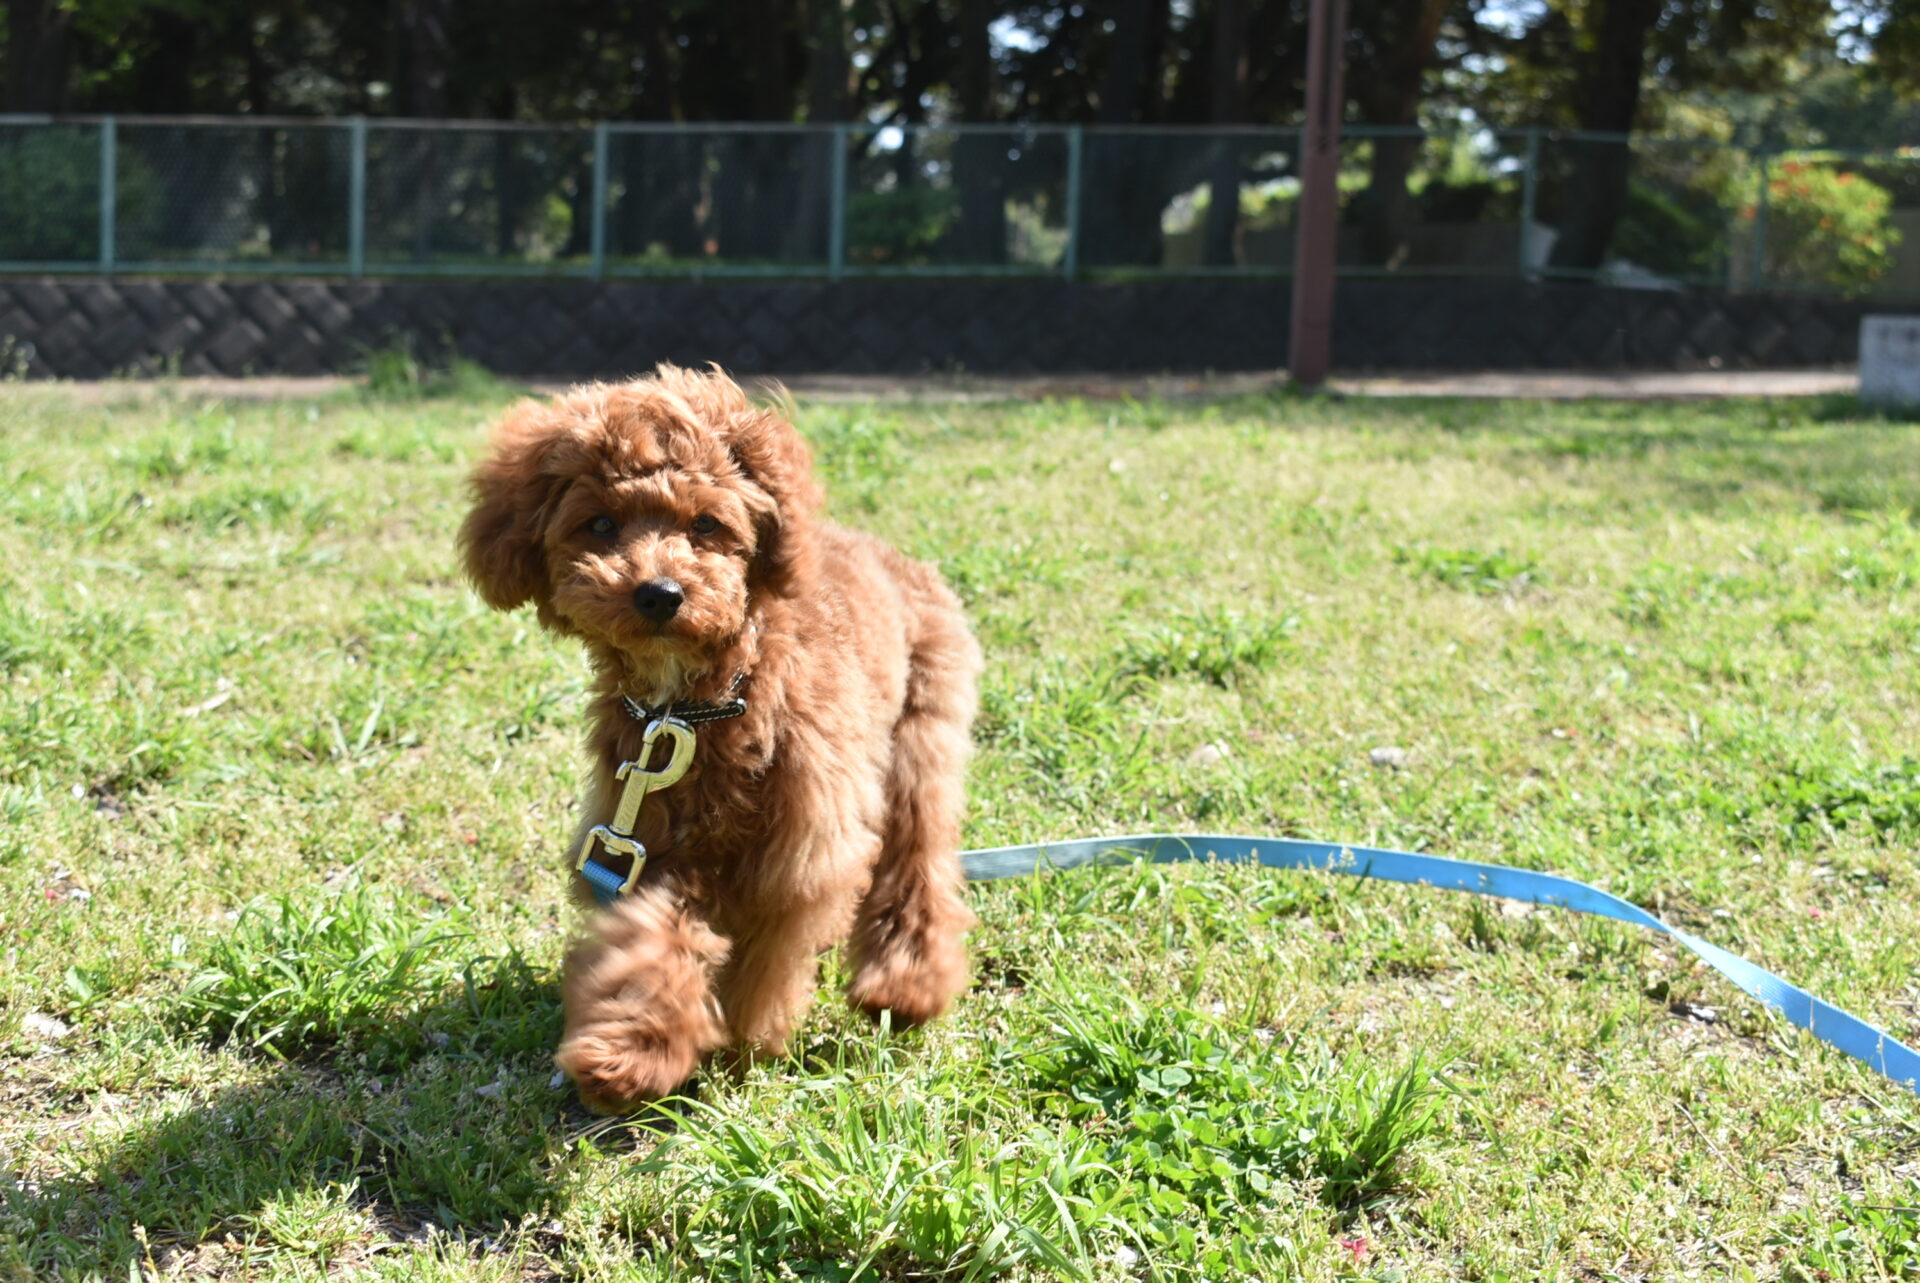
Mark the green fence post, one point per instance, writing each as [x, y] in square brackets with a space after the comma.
[357, 196]
[1070, 256]
[837, 207]
[1529, 196]
[600, 200]
[109, 189]
[1760, 200]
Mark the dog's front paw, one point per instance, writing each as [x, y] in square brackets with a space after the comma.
[640, 1008]
[617, 1068]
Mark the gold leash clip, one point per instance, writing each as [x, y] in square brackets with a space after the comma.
[616, 837]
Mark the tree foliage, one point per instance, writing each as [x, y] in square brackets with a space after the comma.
[1560, 62]
[1604, 66]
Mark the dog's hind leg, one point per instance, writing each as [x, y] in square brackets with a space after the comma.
[906, 951]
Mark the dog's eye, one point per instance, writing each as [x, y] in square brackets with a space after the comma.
[705, 525]
[602, 526]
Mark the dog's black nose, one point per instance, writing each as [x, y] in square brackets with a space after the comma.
[658, 599]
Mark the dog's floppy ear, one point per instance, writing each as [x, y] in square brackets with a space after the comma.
[777, 460]
[500, 540]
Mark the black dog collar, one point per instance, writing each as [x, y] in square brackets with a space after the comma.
[692, 714]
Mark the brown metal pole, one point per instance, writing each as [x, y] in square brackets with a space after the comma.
[1310, 351]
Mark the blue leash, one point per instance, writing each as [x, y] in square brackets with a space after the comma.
[1828, 1023]
[1823, 1020]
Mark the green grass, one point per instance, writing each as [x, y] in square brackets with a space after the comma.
[280, 915]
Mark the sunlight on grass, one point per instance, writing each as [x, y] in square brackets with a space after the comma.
[880, 1175]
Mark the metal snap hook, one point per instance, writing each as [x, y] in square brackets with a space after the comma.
[616, 836]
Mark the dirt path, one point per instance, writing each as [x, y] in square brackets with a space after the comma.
[1542, 385]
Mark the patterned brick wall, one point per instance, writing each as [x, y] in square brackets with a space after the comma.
[92, 328]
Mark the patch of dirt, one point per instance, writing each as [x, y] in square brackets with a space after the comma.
[1091, 386]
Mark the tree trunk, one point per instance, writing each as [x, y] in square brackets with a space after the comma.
[184, 213]
[425, 46]
[978, 157]
[1229, 108]
[827, 88]
[272, 172]
[653, 96]
[162, 81]
[1386, 207]
[827, 104]
[752, 206]
[761, 34]
[506, 180]
[1128, 60]
[1405, 38]
[1123, 187]
[259, 89]
[1597, 182]
[38, 50]
[653, 185]
[422, 92]
[1609, 99]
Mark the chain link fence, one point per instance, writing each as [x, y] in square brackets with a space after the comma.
[397, 198]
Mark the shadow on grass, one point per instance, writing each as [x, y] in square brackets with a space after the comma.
[1844, 407]
[1841, 456]
[1696, 456]
[446, 1116]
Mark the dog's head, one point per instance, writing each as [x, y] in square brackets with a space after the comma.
[643, 518]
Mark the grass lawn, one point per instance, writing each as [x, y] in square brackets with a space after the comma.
[280, 916]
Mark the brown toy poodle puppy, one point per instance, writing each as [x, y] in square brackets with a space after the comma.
[672, 527]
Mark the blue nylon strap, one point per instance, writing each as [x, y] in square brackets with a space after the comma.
[1824, 1021]
[602, 881]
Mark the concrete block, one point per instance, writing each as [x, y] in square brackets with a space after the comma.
[1890, 360]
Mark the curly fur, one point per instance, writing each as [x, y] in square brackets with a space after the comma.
[828, 814]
